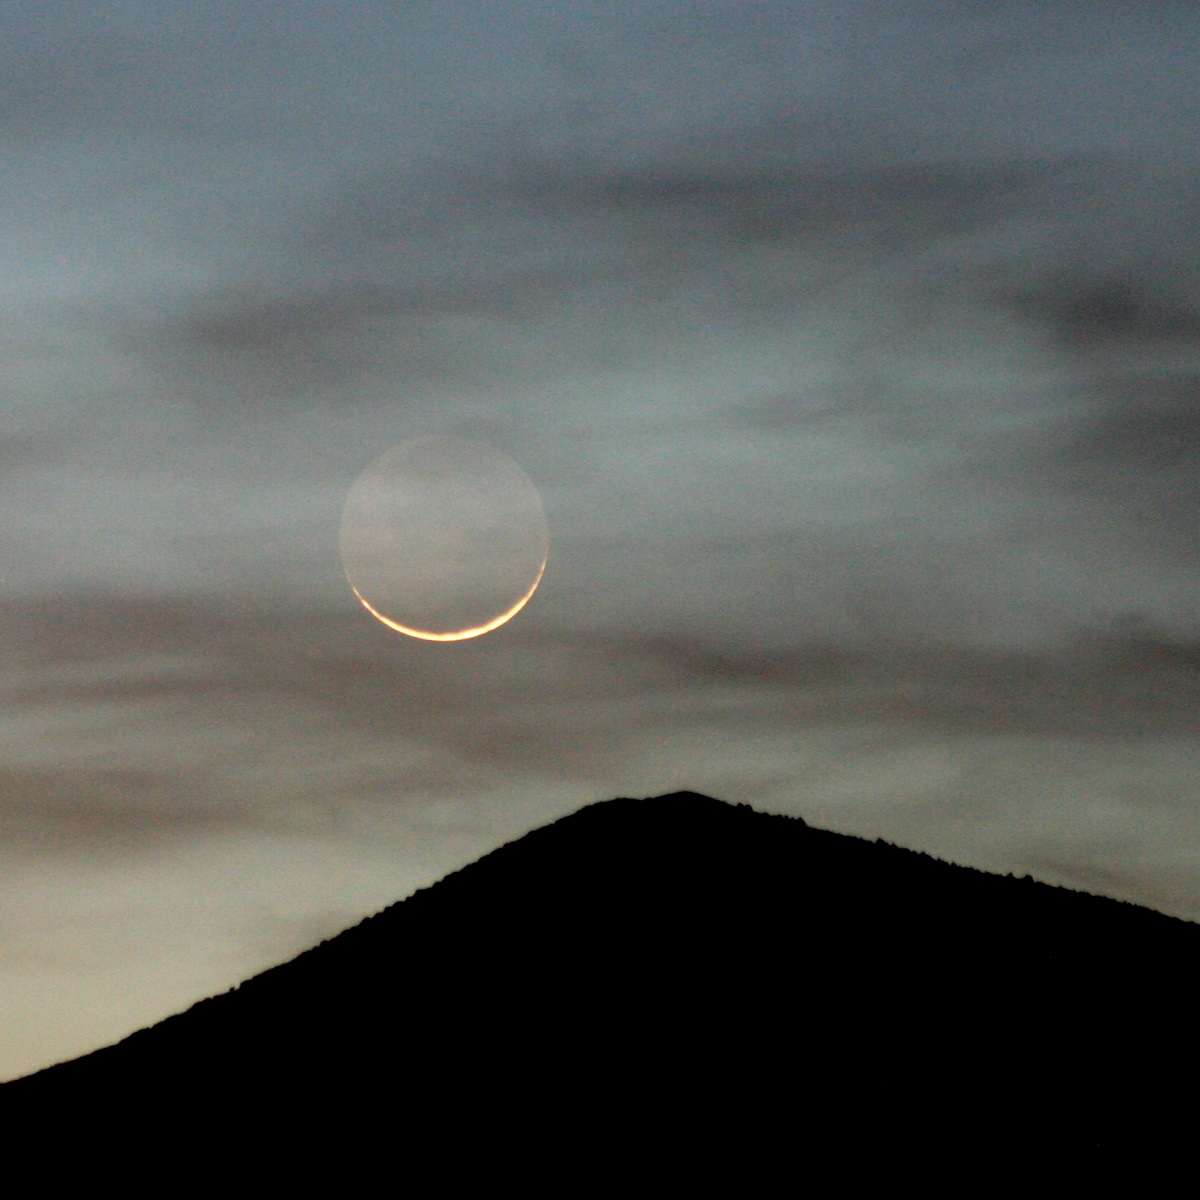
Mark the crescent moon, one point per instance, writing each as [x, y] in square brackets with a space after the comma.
[460, 635]
[443, 538]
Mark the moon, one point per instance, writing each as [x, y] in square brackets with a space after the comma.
[444, 538]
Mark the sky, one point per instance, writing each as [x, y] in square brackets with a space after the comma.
[852, 349]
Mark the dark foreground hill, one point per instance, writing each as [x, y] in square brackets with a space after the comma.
[682, 981]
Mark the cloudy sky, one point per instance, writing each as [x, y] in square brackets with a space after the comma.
[852, 348]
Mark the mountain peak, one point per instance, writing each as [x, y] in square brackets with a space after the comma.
[675, 946]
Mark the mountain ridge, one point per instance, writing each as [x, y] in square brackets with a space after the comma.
[679, 951]
[666, 830]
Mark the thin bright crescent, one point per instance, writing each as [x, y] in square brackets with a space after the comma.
[462, 634]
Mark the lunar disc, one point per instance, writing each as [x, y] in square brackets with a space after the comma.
[444, 538]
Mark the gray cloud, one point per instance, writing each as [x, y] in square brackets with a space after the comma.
[1085, 313]
[662, 227]
[1145, 427]
[291, 338]
[23, 452]
[463, 277]
[63, 83]
[531, 693]
[882, 208]
[1117, 683]
[98, 813]
[1125, 445]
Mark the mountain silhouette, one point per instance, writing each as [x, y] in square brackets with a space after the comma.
[680, 972]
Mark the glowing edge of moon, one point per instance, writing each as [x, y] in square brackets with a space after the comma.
[462, 634]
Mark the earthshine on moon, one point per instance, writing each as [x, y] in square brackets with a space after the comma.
[444, 538]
